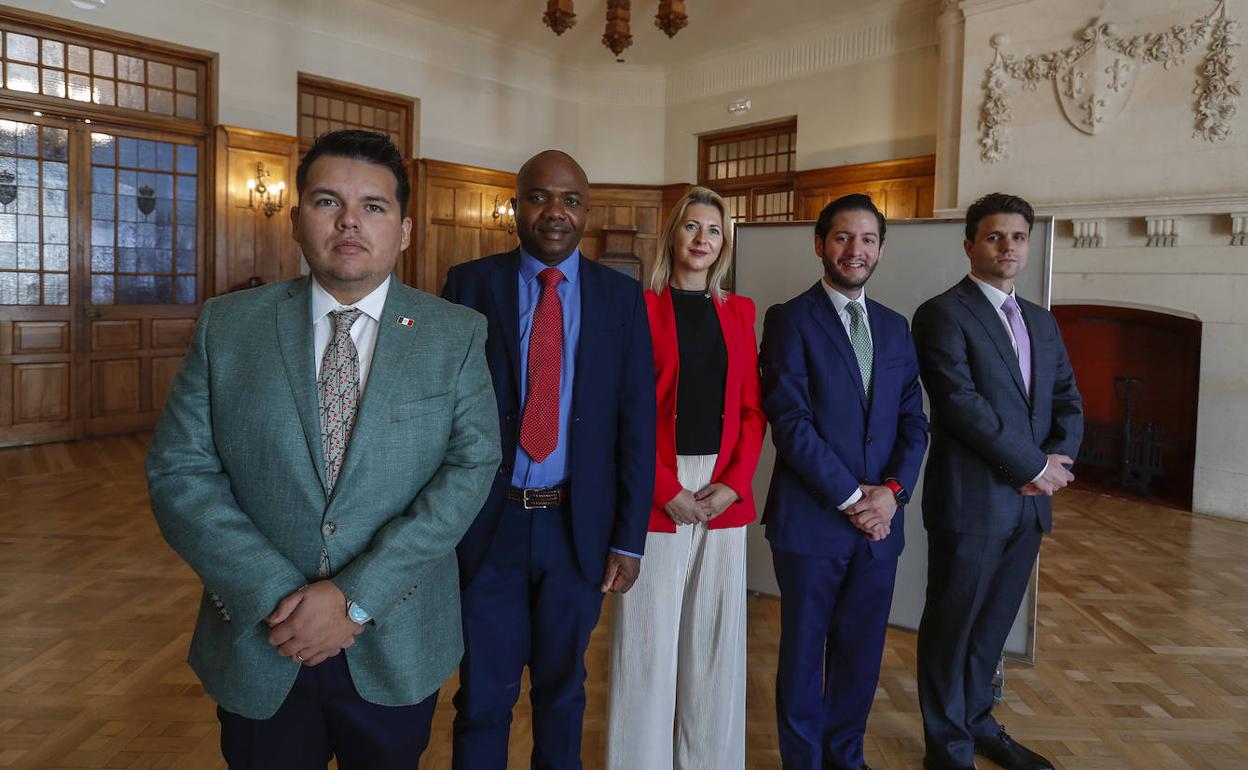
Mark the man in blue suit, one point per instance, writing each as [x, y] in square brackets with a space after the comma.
[565, 522]
[1006, 420]
[841, 390]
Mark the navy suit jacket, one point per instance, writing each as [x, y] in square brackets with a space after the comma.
[988, 438]
[828, 438]
[612, 432]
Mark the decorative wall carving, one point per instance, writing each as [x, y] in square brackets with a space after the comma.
[1089, 233]
[1094, 77]
[1163, 230]
[1239, 228]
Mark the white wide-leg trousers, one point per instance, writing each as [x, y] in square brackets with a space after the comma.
[677, 677]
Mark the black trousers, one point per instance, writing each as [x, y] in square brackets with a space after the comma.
[323, 717]
[975, 585]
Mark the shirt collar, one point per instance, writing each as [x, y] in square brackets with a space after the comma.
[840, 301]
[323, 303]
[994, 295]
[530, 266]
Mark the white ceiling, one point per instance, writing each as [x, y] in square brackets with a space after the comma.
[715, 26]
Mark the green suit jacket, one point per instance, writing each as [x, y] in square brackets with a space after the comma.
[237, 480]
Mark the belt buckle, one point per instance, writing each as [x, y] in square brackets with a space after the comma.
[524, 499]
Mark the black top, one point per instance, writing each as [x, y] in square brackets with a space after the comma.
[703, 369]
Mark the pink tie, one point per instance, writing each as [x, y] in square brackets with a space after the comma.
[1021, 340]
[539, 427]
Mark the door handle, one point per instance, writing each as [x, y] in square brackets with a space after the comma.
[94, 313]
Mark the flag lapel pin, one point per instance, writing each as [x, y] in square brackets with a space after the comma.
[405, 321]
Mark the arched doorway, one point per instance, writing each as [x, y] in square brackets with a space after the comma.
[1146, 362]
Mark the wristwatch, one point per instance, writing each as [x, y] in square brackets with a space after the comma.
[899, 491]
[357, 614]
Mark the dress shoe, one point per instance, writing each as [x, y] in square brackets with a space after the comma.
[1010, 754]
[936, 764]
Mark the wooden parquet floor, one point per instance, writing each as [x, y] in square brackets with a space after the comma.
[1143, 647]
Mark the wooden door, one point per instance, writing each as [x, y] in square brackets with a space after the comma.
[101, 275]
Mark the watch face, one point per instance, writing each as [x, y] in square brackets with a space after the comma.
[357, 613]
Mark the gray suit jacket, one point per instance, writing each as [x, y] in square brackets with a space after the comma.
[988, 438]
[237, 481]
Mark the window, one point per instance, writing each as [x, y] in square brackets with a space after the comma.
[57, 66]
[753, 169]
[34, 214]
[328, 105]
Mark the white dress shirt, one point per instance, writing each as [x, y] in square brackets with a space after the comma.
[997, 298]
[841, 303]
[363, 331]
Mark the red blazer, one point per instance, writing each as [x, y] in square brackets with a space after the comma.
[744, 421]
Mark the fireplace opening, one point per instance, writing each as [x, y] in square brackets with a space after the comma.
[1139, 373]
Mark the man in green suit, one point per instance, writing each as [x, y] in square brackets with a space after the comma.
[324, 446]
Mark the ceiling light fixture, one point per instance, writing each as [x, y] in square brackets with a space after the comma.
[89, 5]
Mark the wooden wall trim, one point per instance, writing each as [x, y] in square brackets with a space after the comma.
[239, 232]
[924, 165]
[461, 173]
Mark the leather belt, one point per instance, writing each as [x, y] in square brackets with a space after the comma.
[538, 497]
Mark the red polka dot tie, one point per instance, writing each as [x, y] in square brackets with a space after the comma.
[539, 427]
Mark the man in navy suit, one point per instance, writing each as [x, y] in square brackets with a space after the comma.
[565, 522]
[1006, 421]
[841, 390]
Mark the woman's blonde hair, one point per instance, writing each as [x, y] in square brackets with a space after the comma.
[667, 254]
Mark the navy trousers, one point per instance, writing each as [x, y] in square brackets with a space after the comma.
[833, 618]
[529, 605]
[323, 717]
[975, 585]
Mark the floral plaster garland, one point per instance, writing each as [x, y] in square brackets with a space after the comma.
[1092, 94]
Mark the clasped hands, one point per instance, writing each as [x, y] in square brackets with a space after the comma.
[1056, 476]
[700, 507]
[873, 512]
[311, 624]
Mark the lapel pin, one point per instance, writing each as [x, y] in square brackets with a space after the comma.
[405, 321]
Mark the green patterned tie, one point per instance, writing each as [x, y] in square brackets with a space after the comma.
[861, 340]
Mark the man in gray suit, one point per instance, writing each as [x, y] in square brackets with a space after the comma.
[1006, 421]
[324, 446]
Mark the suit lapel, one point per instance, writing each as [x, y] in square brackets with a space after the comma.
[505, 286]
[986, 314]
[294, 338]
[591, 333]
[875, 314]
[390, 357]
[825, 315]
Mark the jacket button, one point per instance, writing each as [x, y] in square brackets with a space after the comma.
[329, 528]
[868, 439]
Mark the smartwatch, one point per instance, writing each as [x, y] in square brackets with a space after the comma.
[898, 490]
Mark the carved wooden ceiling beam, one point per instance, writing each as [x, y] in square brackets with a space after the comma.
[671, 17]
[617, 36]
[559, 15]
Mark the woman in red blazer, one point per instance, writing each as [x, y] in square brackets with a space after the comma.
[678, 637]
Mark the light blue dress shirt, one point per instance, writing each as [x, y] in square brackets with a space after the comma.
[554, 470]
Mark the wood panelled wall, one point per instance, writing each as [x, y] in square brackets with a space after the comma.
[249, 244]
[454, 221]
[902, 189]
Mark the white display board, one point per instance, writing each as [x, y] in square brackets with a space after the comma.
[922, 258]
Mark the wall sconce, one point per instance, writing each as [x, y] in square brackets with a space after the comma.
[504, 211]
[263, 194]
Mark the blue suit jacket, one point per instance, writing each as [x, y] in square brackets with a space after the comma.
[828, 438]
[612, 432]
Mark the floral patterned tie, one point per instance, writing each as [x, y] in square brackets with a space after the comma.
[339, 393]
